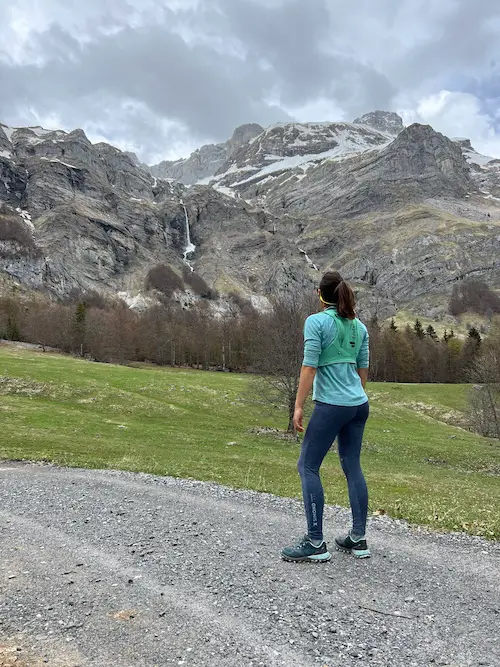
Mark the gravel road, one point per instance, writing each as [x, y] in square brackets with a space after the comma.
[113, 569]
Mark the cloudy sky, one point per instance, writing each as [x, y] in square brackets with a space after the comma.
[162, 77]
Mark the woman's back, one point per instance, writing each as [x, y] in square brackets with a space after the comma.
[338, 383]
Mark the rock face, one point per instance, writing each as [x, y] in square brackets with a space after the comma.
[77, 215]
[419, 164]
[207, 160]
[386, 122]
[402, 212]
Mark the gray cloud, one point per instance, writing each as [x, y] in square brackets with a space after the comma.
[162, 76]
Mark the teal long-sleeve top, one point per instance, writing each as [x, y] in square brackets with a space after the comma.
[338, 384]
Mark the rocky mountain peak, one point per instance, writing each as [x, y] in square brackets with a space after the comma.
[245, 133]
[387, 122]
[464, 143]
[206, 161]
[424, 137]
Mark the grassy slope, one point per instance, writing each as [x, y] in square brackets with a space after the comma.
[195, 424]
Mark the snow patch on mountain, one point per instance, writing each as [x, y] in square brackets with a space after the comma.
[473, 157]
[9, 131]
[297, 146]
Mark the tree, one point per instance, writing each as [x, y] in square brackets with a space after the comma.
[278, 348]
[474, 296]
[475, 335]
[79, 327]
[10, 318]
[484, 397]
[431, 332]
[41, 325]
[418, 329]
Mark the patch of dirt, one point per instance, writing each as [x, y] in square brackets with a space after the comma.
[274, 433]
[22, 387]
[14, 386]
[14, 655]
[125, 615]
[451, 417]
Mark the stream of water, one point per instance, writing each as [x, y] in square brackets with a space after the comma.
[190, 247]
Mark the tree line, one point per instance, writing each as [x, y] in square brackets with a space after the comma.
[235, 338]
[239, 338]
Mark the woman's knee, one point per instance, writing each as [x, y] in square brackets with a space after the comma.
[304, 467]
[351, 466]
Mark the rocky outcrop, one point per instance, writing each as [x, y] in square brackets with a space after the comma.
[207, 160]
[201, 164]
[386, 122]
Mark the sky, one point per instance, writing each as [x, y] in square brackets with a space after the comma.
[163, 77]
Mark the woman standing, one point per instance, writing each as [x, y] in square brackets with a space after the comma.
[336, 362]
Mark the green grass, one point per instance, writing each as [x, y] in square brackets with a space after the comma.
[198, 425]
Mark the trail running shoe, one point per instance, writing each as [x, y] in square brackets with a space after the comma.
[306, 552]
[357, 548]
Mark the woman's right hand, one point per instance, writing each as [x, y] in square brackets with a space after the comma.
[298, 417]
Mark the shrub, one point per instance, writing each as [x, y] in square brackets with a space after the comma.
[12, 229]
[198, 285]
[474, 296]
[164, 279]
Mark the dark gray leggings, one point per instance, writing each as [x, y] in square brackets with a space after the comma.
[328, 422]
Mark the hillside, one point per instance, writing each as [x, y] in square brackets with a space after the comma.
[403, 212]
[209, 426]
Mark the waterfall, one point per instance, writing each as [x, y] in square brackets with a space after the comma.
[309, 260]
[190, 248]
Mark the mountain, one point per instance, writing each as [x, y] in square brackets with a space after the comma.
[403, 212]
[386, 122]
[205, 161]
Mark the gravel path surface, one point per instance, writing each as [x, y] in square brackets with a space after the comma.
[113, 569]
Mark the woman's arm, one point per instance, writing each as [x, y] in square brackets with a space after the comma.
[363, 374]
[363, 360]
[307, 375]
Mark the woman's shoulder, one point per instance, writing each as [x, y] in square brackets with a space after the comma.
[318, 321]
[362, 326]
[320, 317]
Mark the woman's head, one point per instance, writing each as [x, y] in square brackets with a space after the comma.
[334, 291]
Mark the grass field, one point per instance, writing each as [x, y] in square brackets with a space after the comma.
[184, 423]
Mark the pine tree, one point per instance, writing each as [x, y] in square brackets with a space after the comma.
[12, 330]
[431, 332]
[418, 329]
[475, 335]
[79, 327]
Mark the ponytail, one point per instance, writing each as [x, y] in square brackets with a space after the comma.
[345, 301]
[334, 291]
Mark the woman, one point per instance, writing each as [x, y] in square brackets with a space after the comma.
[336, 362]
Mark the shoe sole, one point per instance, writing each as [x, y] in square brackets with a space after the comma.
[357, 554]
[320, 558]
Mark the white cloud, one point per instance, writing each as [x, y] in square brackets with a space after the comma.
[317, 111]
[456, 114]
[196, 69]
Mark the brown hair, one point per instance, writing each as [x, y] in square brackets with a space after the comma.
[336, 292]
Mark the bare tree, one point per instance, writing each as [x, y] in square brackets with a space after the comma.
[277, 348]
[484, 397]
